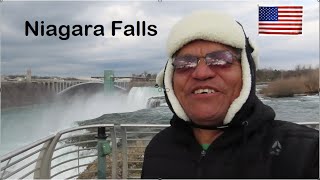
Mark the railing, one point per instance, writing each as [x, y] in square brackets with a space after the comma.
[72, 153]
[314, 125]
[64, 155]
[13, 163]
[135, 138]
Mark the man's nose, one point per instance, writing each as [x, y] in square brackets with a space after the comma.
[203, 71]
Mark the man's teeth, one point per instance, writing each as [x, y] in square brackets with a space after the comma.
[204, 91]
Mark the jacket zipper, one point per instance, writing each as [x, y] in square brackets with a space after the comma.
[199, 170]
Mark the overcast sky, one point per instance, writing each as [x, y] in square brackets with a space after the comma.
[89, 56]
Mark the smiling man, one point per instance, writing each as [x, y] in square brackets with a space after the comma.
[220, 129]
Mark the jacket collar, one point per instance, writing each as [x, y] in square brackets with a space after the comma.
[247, 122]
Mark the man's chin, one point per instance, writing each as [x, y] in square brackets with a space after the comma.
[208, 121]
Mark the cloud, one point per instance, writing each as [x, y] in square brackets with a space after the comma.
[90, 55]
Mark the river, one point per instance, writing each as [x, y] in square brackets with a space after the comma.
[21, 126]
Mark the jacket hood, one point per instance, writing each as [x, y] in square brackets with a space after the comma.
[258, 116]
[215, 27]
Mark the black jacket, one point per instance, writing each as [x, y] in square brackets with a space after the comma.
[259, 147]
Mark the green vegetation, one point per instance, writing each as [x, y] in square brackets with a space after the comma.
[302, 80]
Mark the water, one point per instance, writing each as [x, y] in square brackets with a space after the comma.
[295, 109]
[21, 126]
[139, 96]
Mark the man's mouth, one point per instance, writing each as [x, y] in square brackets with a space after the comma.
[203, 91]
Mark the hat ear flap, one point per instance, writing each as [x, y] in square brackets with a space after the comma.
[255, 53]
[252, 47]
[159, 78]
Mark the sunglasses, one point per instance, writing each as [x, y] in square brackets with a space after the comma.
[216, 58]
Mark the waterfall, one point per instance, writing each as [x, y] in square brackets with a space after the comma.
[138, 96]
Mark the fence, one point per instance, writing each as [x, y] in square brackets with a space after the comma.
[72, 153]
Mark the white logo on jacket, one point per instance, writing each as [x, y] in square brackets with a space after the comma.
[276, 148]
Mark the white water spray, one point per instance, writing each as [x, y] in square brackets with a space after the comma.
[25, 125]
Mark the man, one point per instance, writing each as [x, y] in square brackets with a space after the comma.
[220, 129]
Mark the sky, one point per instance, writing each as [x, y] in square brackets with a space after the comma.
[90, 55]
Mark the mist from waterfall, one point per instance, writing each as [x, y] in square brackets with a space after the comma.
[21, 126]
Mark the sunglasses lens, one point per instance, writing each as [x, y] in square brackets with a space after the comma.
[219, 58]
[185, 62]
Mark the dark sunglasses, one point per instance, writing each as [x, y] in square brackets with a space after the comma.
[216, 58]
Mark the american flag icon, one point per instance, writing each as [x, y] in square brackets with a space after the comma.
[280, 20]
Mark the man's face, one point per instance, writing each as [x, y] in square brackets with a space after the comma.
[226, 81]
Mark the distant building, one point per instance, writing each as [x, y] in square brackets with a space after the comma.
[28, 77]
[3, 78]
[19, 79]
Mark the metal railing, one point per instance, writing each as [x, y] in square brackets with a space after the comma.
[135, 138]
[64, 155]
[72, 153]
[314, 125]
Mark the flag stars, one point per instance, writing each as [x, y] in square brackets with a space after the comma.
[268, 13]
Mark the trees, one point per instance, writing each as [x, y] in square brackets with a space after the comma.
[288, 83]
[145, 74]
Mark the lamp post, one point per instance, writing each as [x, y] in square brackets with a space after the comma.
[104, 149]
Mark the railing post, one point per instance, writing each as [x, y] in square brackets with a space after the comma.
[78, 153]
[103, 150]
[4, 171]
[45, 161]
[114, 153]
[124, 153]
[40, 162]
